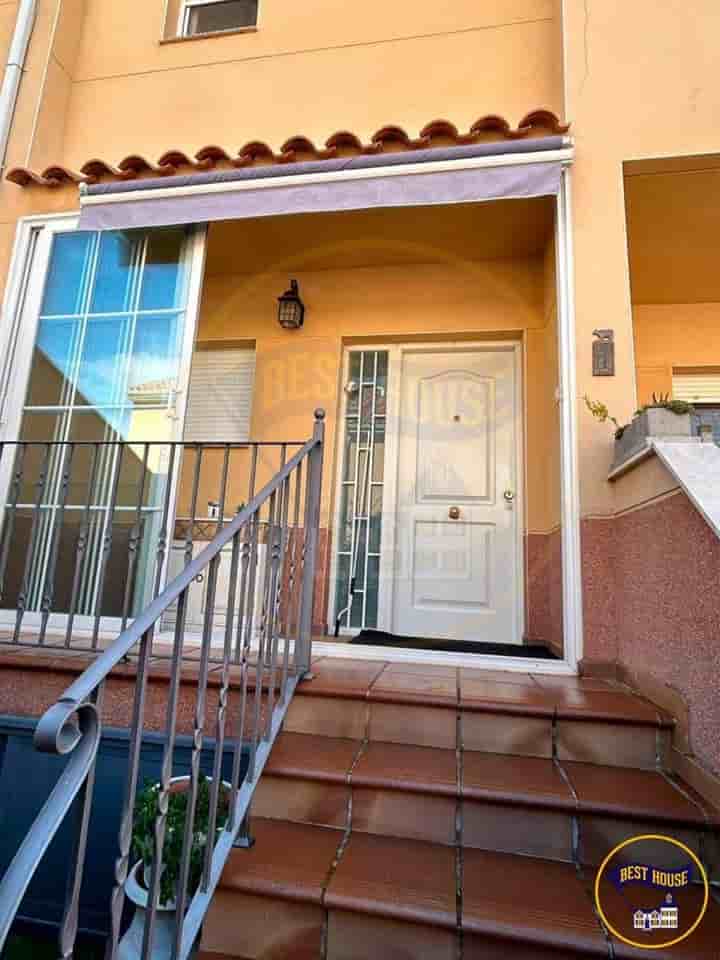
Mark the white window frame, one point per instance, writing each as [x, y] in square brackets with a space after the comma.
[18, 329]
[184, 19]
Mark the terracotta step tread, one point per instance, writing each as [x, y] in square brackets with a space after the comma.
[481, 691]
[309, 756]
[402, 879]
[529, 900]
[495, 778]
[405, 767]
[532, 781]
[564, 701]
[424, 689]
[289, 860]
[505, 899]
[621, 790]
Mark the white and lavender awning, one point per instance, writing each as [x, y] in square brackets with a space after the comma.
[463, 174]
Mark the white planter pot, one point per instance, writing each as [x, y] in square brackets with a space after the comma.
[130, 947]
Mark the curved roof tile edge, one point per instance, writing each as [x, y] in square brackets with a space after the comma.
[389, 138]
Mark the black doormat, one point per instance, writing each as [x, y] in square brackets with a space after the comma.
[378, 638]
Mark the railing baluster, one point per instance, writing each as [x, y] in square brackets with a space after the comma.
[82, 543]
[189, 533]
[168, 750]
[262, 639]
[303, 655]
[279, 547]
[30, 557]
[245, 559]
[10, 512]
[83, 804]
[122, 863]
[195, 755]
[250, 551]
[135, 538]
[56, 535]
[292, 592]
[107, 542]
[221, 711]
[253, 472]
[164, 533]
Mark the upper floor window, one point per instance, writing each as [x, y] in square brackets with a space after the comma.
[215, 16]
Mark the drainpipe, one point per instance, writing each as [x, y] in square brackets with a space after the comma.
[27, 11]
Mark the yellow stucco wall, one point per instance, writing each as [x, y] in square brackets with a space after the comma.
[297, 371]
[8, 13]
[641, 81]
[673, 335]
[673, 209]
[99, 83]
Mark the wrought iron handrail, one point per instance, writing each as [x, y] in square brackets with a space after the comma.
[264, 603]
[123, 478]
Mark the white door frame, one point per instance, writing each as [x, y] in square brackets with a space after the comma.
[396, 354]
[570, 488]
[19, 319]
[568, 401]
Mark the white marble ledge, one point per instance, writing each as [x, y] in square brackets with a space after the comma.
[697, 469]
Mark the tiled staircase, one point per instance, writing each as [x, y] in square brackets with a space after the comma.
[428, 812]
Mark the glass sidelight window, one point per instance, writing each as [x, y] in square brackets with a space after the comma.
[359, 533]
[105, 371]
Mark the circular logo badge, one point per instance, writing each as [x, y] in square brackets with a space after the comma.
[651, 891]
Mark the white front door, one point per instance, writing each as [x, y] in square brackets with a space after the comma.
[457, 553]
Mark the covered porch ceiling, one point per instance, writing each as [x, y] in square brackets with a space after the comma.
[673, 211]
[492, 230]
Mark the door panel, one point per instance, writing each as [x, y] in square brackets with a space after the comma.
[457, 573]
[454, 450]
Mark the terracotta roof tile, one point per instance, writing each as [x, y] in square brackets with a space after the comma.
[387, 139]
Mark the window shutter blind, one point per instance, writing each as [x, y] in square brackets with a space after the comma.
[697, 387]
[220, 396]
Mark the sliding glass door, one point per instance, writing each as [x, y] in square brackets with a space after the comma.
[94, 400]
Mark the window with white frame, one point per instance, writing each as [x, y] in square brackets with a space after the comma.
[199, 17]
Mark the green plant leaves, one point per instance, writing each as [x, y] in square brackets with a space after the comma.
[147, 808]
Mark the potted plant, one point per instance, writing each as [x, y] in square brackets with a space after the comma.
[143, 845]
[662, 417]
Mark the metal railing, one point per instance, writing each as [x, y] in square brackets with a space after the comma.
[265, 638]
[90, 528]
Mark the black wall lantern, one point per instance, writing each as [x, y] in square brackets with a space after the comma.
[291, 309]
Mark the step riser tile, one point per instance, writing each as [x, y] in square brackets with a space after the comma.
[500, 733]
[256, 928]
[327, 717]
[357, 936]
[599, 835]
[393, 813]
[419, 726]
[618, 745]
[516, 829]
[302, 801]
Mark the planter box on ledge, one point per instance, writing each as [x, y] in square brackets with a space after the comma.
[653, 424]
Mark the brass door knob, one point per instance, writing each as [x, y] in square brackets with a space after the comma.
[509, 496]
[454, 513]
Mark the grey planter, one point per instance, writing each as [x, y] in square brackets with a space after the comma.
[655, 423]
